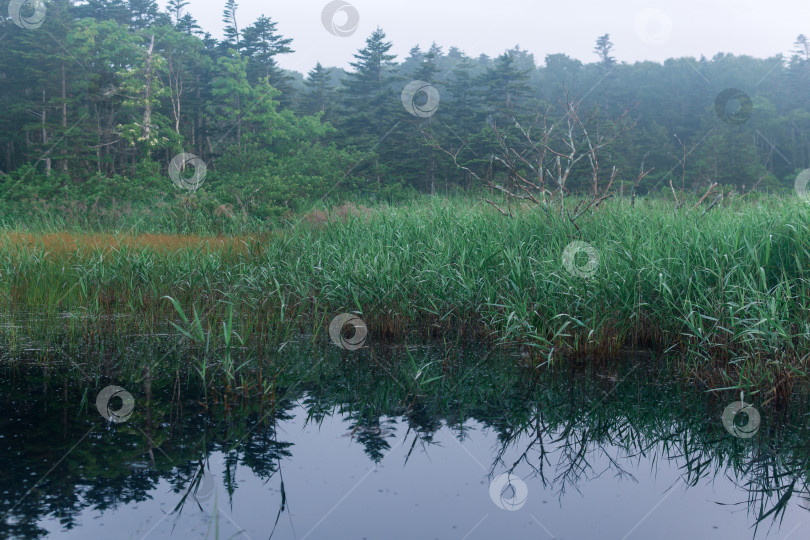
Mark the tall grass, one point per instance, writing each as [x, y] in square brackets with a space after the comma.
[724, 294]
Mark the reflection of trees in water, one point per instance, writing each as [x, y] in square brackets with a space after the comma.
[561, 443]
[566, 429]
[169, 437]
[570, 428]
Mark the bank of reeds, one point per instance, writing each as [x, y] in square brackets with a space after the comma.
[723, 294]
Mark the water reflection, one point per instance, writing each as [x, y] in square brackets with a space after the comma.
[606, 454]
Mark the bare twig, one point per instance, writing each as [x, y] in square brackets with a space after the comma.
[642, 173]
[708, 192]
[497, 208]
[539, 160]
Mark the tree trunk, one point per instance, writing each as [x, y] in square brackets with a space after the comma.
[45, 136]
[147, 112]
[176, 83]
[64, 113]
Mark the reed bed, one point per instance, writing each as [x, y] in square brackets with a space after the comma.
[722, 295]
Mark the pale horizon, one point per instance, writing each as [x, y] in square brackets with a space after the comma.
[689, 29]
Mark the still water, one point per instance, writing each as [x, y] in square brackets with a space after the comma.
[482, 452]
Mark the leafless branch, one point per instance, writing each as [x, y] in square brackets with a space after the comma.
[540, 159]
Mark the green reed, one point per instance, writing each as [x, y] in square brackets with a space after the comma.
[724, 294]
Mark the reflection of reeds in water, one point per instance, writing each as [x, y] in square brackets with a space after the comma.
[557, 421]
[776, 475]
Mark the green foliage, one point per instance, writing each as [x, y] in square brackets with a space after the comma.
[725, 292]
[123, 82]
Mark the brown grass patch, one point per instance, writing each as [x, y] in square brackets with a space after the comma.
[340, 213]
[68, 242]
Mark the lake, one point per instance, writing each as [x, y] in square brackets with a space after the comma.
[393, 443]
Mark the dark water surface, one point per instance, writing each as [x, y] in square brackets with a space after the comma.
[400, 445]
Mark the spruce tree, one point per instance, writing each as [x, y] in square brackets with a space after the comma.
[320, 93]
[231, 34]
[603, 49]
[262, 43]
[369, 100]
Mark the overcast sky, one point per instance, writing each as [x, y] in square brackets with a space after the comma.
[640, 29]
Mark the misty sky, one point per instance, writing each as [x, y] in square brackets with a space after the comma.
[760, 28]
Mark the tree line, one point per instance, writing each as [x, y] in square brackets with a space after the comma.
[107, 92]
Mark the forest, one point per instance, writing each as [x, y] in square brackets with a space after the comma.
[385, 298]
[100, 98]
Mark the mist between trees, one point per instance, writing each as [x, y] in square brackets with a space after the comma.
[98, 100]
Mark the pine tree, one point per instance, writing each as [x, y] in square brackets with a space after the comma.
[603, 50]
[505, 84]
[411, 62]
[188, 25]
[428, 64]
[320, 93]
[463, 99]
[801, 47]
[369, 101]
[104, 10]
[368, 88]
[231, 90]
[231, 30]
[146, 13]
[261, 42]
[175, 8]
